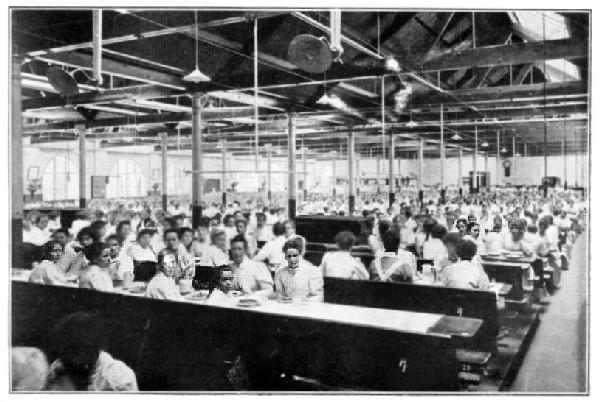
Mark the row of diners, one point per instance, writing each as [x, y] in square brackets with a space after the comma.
[421, 297]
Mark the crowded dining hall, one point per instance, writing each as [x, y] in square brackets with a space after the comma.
[278, 201]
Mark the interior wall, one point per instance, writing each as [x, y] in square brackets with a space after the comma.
[100, 161]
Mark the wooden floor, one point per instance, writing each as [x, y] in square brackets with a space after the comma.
[556, 359]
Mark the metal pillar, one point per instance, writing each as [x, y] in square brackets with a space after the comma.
[498, 157]
[304, 176]
[442, 148]
[378, 174]
[163, 168]
[392, 190]
[82, 172]
[97, 45]
[460, 166]
[16, 156]
[224, 174]
[269, 150]
[475, 173]
[514, 149]
[485, 168]
[197, 184]
[351, 183]
[421, 178]
[333, 173]
[292, 165]
[564, 155]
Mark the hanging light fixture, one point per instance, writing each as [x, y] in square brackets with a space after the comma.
[196, 76]
[485, 144]
[503, 150]
[411, 123]
[456, 137]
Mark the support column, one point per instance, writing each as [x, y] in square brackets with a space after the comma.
[163, 169]
[82, 173]
[399, 163]
[16, 155]
[197, 157]
[351, 183]
[514, 149]
[378, 174]
[269, 150]
[421, 176]
[224, 173]
[564, 155]
[460, 167]
[486, 166]
[304, 176]
[391, 188]
[333, 172]
[442, 148]
[498, 164]
[292, 165]
[97, 45]
[475, 173]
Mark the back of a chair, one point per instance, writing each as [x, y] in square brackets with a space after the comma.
[421, 262]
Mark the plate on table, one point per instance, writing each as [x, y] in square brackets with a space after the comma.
[514, 256]
[235, 293]
[137, 289]
[199, 295]
[492, 255]
[248, 303]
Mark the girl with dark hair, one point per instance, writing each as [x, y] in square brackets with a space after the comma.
[297, 279]
[48, 272]
[96, 275]
[394, 264]
[341, 264]
[433, 248]
[80, 362]
[465, 273]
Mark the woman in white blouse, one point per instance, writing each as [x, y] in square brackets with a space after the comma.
[162, 285]
[96, 275]
[48, 272]
[395, 264]
[340, 263]
[433, 248]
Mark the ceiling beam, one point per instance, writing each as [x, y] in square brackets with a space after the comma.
[515, 53]
[500, 93]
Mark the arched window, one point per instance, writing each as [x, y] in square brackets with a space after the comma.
[178, 182]
[126, 180]
[60, 180]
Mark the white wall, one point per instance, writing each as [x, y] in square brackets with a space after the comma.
[529, 170]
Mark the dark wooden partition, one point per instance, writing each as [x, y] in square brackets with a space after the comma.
[175, 346]
[421, 298]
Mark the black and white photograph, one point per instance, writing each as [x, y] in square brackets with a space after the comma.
[205, 199]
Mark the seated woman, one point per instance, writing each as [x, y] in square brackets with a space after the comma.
[48, 272]
[162, 285]
[96, 275]
[395, 264]
[141, 256]
[474, 234]
[450, 241]
[465, 273]
[216, 254]
[81, 363]
[433, 248]
[424, 234]
[340, 263]
[184, 262]
[513, 241]
[297, 279]
[249, 276]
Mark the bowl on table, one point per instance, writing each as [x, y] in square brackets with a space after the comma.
[198, 295]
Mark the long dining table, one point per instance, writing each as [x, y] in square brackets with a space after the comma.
[200, 345]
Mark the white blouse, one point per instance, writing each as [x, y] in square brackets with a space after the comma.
[341, 264]
[162, 287]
